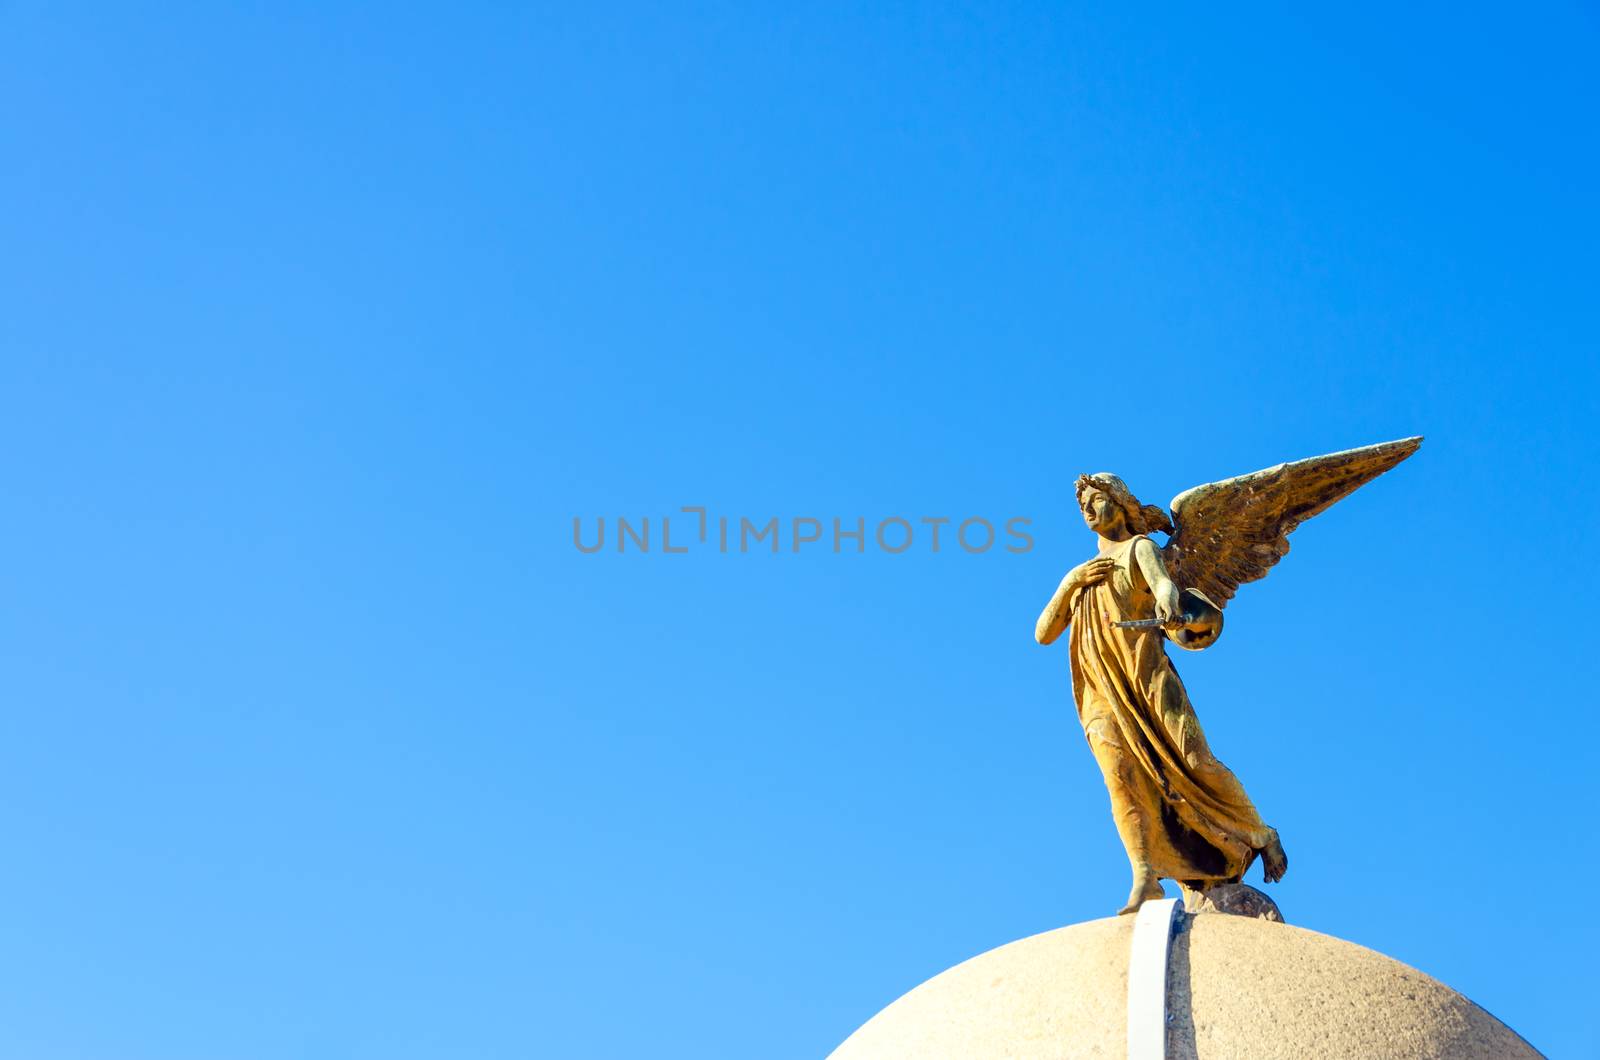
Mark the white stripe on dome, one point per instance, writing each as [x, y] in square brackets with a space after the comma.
[1147, 978]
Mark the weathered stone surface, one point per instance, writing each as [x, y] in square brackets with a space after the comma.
[1238, 899]
[1239, 987]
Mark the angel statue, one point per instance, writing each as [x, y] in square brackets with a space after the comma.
[1182, 815]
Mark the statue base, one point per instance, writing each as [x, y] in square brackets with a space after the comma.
[1236, 899]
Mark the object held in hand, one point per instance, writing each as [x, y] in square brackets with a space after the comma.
[1202, 622]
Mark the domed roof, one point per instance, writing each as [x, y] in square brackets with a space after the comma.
[1237, 987]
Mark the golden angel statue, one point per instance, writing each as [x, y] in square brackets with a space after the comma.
[1181, 814]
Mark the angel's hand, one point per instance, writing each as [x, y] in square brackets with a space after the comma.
[1092, 572]
[1169, 608]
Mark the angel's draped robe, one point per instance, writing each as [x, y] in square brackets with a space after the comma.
[1178, 809]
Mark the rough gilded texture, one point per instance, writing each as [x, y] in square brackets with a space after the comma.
[1240, 988]
[1181, 814]
[1233, 531]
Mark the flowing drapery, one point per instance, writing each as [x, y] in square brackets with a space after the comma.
[1179, 809]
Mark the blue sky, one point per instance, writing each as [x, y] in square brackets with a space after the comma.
[322, 323]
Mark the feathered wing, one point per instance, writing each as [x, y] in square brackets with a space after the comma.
[1233, 531]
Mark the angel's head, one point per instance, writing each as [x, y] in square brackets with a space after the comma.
[1111, 510]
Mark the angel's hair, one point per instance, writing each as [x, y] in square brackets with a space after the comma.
[1142, 518]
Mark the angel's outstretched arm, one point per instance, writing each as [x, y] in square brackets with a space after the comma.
[1168, 606]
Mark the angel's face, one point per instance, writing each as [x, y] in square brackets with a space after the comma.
[1100, 514]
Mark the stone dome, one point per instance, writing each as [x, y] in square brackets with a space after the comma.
[1237, 987]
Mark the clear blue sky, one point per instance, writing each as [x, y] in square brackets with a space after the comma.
[321, 322]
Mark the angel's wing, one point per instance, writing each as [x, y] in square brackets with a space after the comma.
[1233, 531]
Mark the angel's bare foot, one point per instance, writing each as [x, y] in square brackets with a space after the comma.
[1145, 889]
[1274, 862]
